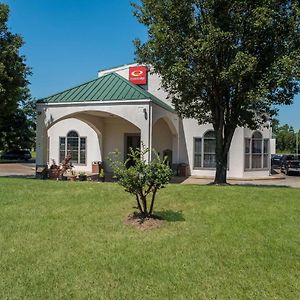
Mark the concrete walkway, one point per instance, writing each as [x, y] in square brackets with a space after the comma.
[276, 181]
[279, 180]
[17, 170]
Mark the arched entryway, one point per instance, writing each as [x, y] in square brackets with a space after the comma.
[97, 134]
[165, 139]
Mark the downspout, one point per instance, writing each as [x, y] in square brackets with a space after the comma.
[150, 132]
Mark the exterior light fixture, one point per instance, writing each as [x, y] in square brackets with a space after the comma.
[145, 113]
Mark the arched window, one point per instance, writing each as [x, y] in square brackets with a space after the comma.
[257, 147]
[205, 153]
[75, 145]
[209, 157]
[256, 152]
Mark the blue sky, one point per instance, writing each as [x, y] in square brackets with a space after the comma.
[68, 41]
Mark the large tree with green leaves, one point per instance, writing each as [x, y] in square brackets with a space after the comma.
[224, 62]
[13, 71]
[18, 128]
[286, 138]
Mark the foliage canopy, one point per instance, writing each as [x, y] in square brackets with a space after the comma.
[286, 138]
[141, 178]
[15, 102]
[223, 62]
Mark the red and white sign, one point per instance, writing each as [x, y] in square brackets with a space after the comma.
[138, 75]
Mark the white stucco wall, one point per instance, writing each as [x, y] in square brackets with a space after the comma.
[273, 146]
[114, 137]
[236, 154]
[266, 134]
[162, 137]
[176, 134]
[190, 130]
[62, 128]
[154, 81]
[135, 112]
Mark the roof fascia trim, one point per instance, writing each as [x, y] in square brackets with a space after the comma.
[96, 103]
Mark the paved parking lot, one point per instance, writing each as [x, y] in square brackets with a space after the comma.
[17, 169]
[28, 170]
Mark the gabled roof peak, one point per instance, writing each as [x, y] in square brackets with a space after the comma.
[109, 87]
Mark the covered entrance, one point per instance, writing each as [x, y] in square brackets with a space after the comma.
[99, 117]
[132, 141]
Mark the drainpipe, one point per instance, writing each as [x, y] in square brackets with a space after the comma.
[150, 132]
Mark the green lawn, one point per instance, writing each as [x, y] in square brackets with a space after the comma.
[66, 240]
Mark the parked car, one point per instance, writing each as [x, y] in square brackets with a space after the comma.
[290, 163]
[276, 160]
[17, 154]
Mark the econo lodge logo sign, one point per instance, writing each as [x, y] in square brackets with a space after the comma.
[138, 75]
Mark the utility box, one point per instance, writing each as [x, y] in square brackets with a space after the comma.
[183, 170]
[96, 167]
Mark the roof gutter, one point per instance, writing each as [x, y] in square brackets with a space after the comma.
[101, 103]
[94, 103]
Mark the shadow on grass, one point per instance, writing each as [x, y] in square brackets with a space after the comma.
[170, 215]
[177, 179]
[257, 185]
[261, 185]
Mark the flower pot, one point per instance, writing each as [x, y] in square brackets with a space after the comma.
[53, 173]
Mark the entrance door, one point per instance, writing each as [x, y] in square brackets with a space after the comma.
[168, 153]
[131, 141]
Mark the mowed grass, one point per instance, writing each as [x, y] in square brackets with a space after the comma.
[67, 240]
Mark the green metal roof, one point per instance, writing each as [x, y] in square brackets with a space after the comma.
[110, 87]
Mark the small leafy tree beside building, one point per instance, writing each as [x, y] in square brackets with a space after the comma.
[141, 179]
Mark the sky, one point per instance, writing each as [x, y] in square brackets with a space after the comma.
[68, 41]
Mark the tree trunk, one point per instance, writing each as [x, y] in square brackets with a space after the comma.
[144, 202]
[221, 168]
[223, 141]
[139, 204]
[152, 202]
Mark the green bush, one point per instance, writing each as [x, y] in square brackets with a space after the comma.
[142, 178]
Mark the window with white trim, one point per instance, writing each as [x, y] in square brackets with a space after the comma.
[257, 152]
[197, 152]
[209, 153]
[75, 145]
[205, 151]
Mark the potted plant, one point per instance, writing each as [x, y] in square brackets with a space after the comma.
[53, 171]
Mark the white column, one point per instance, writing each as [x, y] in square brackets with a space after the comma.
[146, 129]
[175, 148]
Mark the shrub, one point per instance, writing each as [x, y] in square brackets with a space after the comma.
[142, 178]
